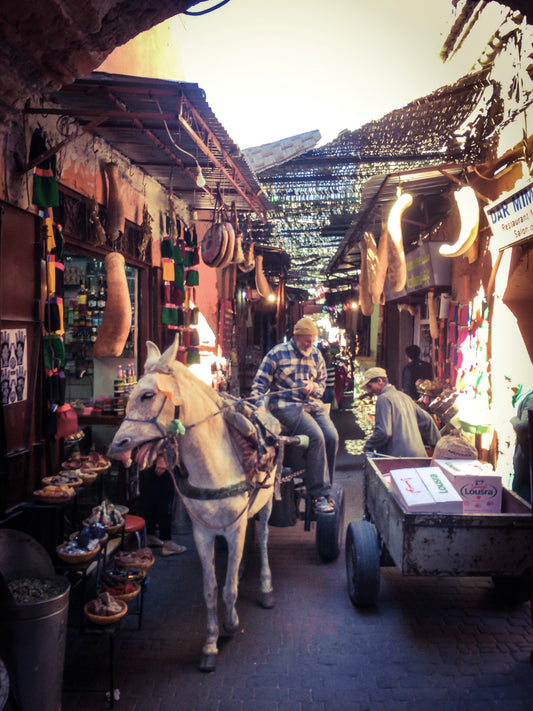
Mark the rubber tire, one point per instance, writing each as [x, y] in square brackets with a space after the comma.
[362, 563]
[329, 528]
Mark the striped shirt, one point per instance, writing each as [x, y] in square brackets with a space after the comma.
[285, 368]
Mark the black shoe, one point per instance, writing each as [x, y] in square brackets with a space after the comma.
[323, 505]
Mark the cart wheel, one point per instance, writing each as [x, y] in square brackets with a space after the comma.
[514, 589]
[362, 563]
[329, 528]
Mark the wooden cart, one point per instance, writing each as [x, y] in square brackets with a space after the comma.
[497, 545]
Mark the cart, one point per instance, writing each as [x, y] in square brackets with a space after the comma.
[497, 545]
[287, 512]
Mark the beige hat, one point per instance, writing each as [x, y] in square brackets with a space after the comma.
[372, 373]
[305, 327]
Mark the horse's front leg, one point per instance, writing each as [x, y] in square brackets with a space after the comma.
[267, 590]
[205, 545]
[235, 540]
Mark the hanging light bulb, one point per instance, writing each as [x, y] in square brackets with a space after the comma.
[200, 180]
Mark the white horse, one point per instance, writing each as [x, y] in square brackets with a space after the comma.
[216, 492]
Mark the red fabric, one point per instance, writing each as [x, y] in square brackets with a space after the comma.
[341, 378]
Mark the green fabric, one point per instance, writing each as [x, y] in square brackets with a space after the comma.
[166, 248]
[188, 261]
[192, 356]
[54, 351]
[169, 316]
[193, 278]
[45, 192]
[176, 427]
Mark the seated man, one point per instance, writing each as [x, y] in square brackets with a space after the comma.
[402, 427]
[294, 376]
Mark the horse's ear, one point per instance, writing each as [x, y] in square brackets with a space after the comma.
[166, 362]
[153, 354]
[168, 385]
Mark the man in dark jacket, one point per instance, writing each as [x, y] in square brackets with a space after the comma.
[402, 427]
[523, 401]
[415, 369]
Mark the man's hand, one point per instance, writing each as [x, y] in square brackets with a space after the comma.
[308, 387]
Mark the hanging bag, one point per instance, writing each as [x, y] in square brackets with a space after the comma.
[67, 421]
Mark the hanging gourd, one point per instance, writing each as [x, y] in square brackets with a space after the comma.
[432, 313]
[378, 283]
[371, 259]
[365, 300]
[261, 282]
[115, 208]
[469, 214]
[397, 270]
[116, 321]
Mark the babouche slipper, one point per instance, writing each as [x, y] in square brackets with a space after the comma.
[171, 548]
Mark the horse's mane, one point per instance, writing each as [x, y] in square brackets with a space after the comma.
[183, 372]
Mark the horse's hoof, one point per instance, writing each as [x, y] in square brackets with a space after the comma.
[208, 663]
[268, 600]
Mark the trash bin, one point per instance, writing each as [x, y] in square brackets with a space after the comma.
[34, 631]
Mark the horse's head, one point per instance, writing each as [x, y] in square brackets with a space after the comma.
[144, 432]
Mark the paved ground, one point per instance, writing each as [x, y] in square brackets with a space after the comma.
[429, 642]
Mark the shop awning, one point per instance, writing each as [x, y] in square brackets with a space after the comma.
[379, 193]
[166, 129]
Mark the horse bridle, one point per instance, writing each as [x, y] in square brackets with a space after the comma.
[153, 420]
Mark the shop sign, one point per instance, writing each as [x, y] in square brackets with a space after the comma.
[511, 217]
[426, 268]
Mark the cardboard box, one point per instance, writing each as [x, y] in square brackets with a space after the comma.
[411, 490]
[476, 483]
[442, 490]
[425, 489]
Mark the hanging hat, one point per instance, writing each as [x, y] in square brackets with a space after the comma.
[305, 327]
[372, 373]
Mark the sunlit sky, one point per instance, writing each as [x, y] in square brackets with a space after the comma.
[276, 68]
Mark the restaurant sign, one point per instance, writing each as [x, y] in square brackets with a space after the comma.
[511, 217]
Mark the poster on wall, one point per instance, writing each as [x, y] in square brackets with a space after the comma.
[14, 370]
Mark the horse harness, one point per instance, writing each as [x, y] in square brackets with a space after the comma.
[183, 487]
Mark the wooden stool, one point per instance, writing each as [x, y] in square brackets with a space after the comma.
[136, 525]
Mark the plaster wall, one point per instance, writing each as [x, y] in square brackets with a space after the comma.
[155, 53]
[81, 168]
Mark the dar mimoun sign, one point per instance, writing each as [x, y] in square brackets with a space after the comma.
[511, 217]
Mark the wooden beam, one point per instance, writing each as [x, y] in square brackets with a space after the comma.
[55, 149]
[228, 167]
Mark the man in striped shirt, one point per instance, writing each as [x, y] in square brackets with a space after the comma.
[293, 374]
[329, 392]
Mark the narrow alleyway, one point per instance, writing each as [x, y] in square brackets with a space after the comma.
[448, 642]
